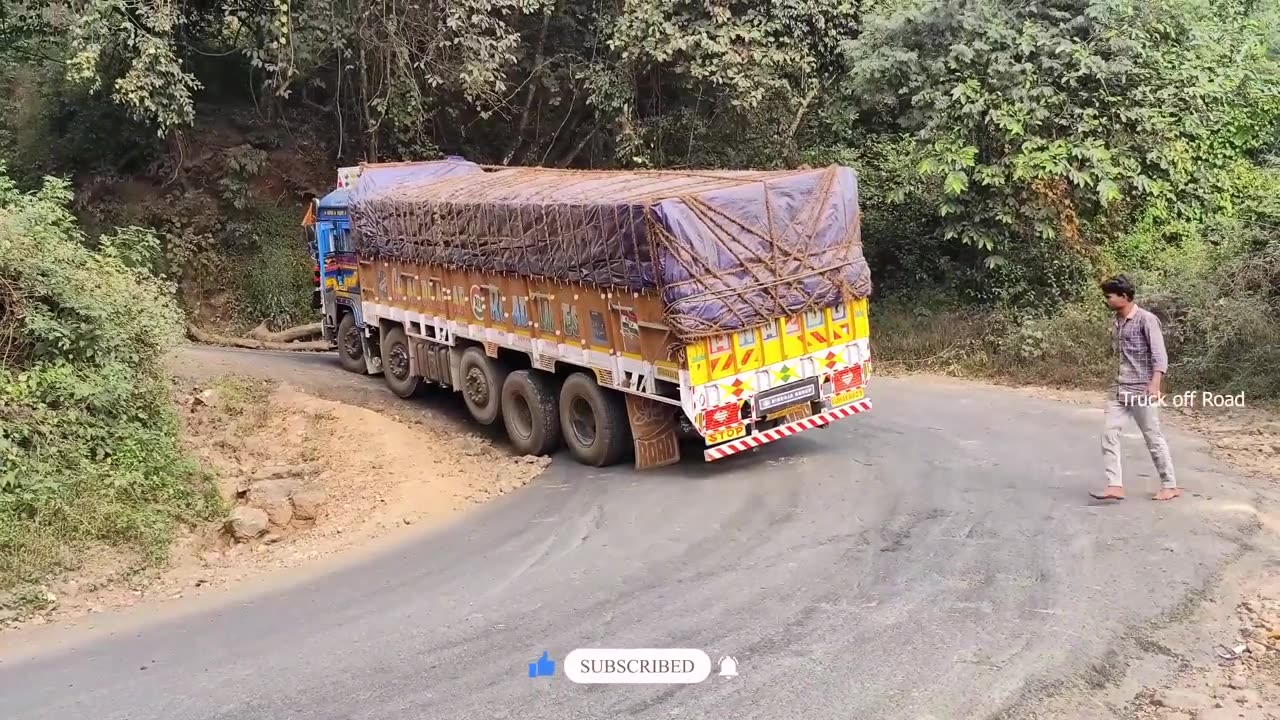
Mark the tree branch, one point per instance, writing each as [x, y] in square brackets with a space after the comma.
[538, 60]
[567, 159]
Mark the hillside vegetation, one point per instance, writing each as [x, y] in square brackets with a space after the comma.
[89, 450]
[1010, 154]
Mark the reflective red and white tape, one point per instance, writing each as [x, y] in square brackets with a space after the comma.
[768, 436]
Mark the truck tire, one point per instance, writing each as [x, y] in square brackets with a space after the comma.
[482, 381]
[594, 421]
[350, 349]
[396, 368]
[531, 411]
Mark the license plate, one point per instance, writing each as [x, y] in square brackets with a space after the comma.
[727, 434]
[785, 396]
[791, 414]
[847, 397]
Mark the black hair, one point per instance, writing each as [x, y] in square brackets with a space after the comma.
[1119, 285]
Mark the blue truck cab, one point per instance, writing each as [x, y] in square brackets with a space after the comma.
[337, 278]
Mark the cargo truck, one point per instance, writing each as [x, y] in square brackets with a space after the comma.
[613, 313]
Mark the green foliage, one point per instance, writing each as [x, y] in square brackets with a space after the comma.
[1038, 118]
[1009, 154]
[242, 163]
[88, 437]
[274, 268]
[131, 46]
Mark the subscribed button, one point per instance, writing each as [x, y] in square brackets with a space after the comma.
[637, 666]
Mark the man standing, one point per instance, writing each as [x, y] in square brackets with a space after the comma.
[1139, 342]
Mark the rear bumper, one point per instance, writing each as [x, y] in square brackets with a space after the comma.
[767, 436]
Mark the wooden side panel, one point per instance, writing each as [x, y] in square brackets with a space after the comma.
[627, 325]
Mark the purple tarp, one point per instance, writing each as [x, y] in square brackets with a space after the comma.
[727, 250]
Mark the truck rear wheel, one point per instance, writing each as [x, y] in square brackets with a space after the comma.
[531, 411]
[482, 382]
[594, 421]
[350, 349]
[397, 370]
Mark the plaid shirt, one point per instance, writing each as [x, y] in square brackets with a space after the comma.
[1139, 342]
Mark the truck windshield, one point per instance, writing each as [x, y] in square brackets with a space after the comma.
[342, 240]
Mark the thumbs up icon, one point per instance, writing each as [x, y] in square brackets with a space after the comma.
[542, 667]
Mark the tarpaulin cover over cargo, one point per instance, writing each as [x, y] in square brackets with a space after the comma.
[727, 250]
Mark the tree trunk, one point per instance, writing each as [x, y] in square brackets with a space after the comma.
[573, 154]
[789, 140]
[213, 339]
[287, 335]
[539, 57]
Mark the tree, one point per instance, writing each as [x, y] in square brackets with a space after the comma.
[1039, 118]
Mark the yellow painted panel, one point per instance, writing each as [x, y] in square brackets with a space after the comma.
[720, 350]
[772, 345]
[816, 336]
[696, 354]
[838, 325]
[861, 324]
[792, 338]
[747, 351]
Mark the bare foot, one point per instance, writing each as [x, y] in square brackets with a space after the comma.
[1113, 492]
[1167, 494]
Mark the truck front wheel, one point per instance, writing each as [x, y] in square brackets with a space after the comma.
[397, 370]
[482, 382]
[350, 348]
[594, 421]
[531, 411]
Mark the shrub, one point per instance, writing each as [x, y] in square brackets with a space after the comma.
[89, 445]
[275, 280]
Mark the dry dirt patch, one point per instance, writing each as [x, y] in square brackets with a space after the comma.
[1244, 684]
[302, 477]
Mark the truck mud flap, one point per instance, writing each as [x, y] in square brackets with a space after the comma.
[754, 441]
[653, 432]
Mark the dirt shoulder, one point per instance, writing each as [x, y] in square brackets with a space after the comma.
[303, 477]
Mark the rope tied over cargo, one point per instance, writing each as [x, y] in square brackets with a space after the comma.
[726, 250]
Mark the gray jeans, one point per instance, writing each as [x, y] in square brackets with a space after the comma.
[1147, 415]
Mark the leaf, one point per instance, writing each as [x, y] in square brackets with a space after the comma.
[956, 183]
[1108, 192]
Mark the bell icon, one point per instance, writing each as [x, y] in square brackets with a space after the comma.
[728, 667]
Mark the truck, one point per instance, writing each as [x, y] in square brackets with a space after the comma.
[612, 313]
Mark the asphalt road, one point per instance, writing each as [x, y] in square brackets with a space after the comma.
[936, 558]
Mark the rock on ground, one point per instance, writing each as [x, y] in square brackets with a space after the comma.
[306, 504]
[273, 497]
[247, 522]
[1184, 700]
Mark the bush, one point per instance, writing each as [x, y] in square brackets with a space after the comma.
[89, 443]
[1221, 308]
[275, 281]
[1215, 287]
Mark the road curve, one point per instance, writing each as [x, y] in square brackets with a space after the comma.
[936, 558]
